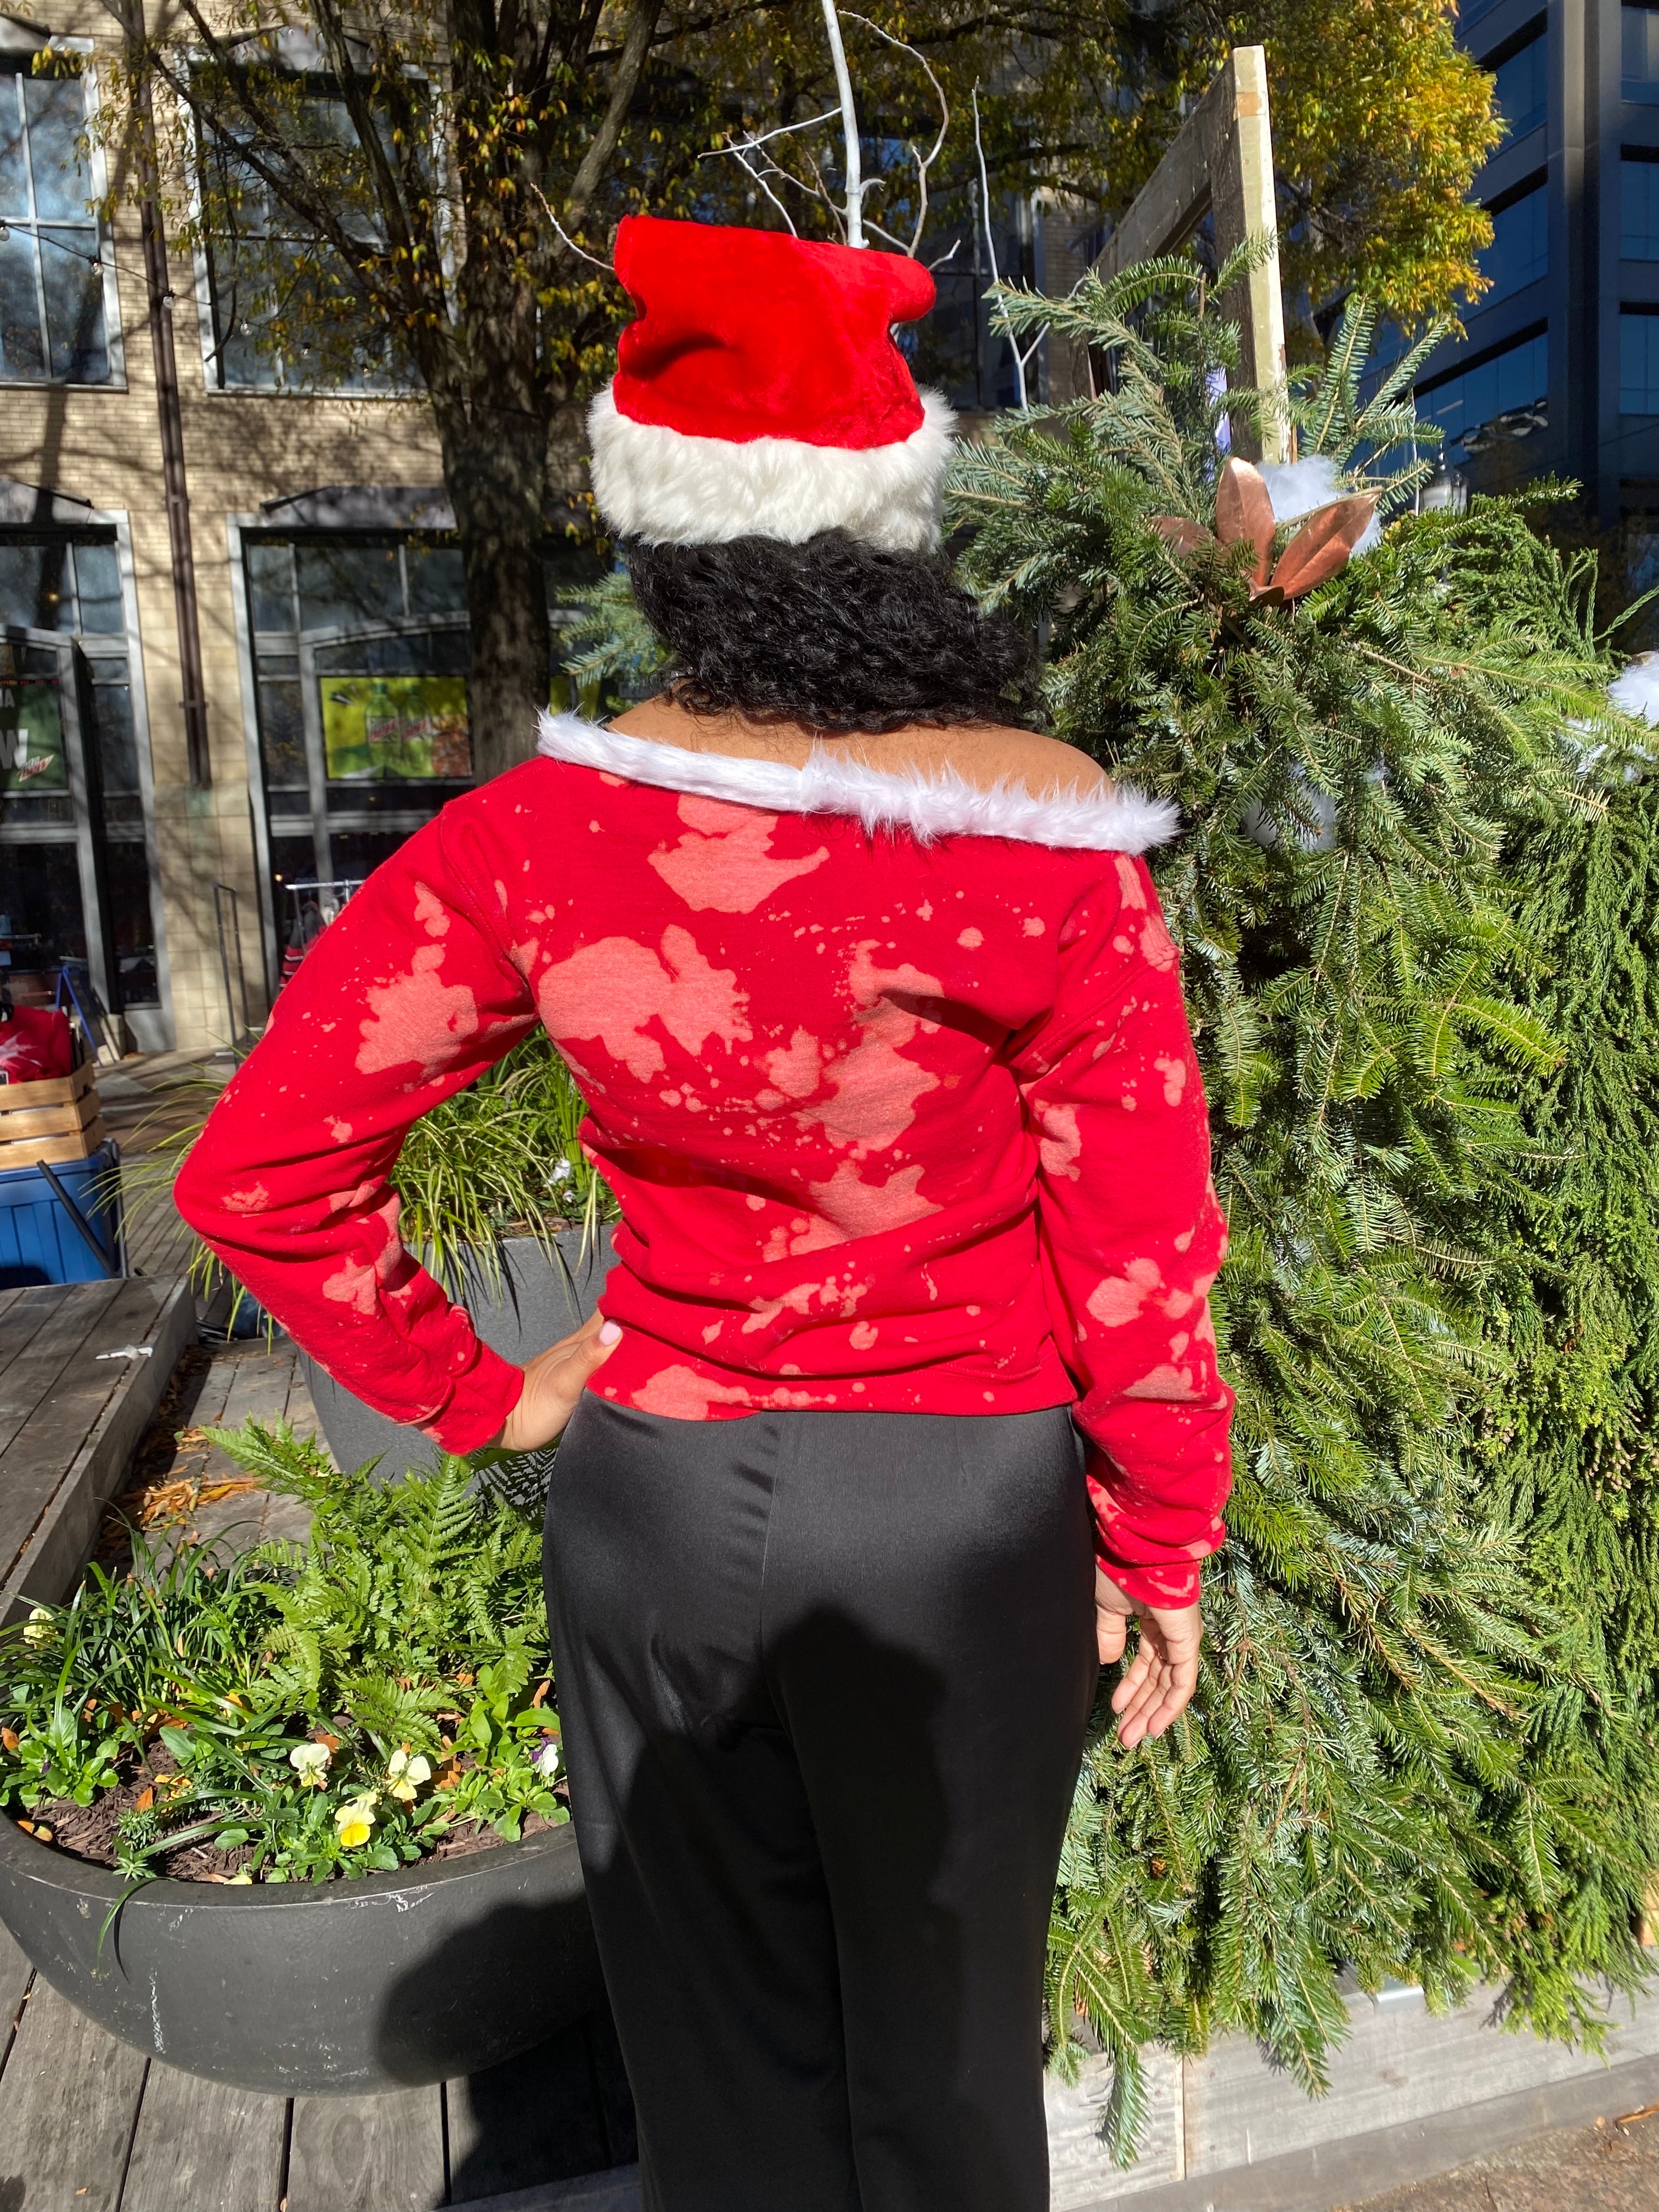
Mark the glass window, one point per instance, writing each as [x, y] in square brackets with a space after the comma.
[282, 304]
[358, 852]
[36, 587]
[1521, 96]
[117, 740]
[52, 583]
[1638, 364]
[270, 585]
[437, 579]
[1640, 40]
[1638, 194]
[51, 268]
[281, 732]
[97, 591]
[349, 583]
[126, 883]
[293, 860]
[1505, 396]
[42, 906]
[1520, 250]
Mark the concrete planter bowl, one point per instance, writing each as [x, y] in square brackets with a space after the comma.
[539, 1300]
[342, 1989]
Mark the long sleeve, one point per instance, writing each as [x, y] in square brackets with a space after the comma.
[1132, 1237]
[402, 1000]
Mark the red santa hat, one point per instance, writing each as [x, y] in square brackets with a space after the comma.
[759, 393]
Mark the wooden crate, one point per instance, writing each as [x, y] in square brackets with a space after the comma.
[56, 1119]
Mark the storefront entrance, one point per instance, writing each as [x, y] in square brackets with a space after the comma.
[387, 736]
[58, 890]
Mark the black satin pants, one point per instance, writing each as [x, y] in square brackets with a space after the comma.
[824, 1679]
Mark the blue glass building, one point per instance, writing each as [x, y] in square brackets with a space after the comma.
[1559, 372]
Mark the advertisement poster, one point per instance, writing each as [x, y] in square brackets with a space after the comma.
[31, 737]
[386, 726]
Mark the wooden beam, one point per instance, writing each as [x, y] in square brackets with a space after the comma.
[1221, 162]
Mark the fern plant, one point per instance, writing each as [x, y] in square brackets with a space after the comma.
[300, 1711]
[1392, 1769]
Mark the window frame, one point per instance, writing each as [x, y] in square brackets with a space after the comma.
[281, 386]
[1534, 186]
[1424, 391]
[1637, 310]
[15, 62]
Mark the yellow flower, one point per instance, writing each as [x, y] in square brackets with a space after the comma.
[355, 1820]
[38, 1629]
[407, 1774]
[309, 1761]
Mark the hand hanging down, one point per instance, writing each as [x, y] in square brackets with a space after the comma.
[553, 1382]
[1164, 1672]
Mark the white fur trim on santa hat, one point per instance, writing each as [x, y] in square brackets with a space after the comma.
[672, 488]
[1115, 820]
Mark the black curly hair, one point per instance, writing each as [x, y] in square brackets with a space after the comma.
[831, 633]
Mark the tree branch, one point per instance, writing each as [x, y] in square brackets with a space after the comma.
[603, 144]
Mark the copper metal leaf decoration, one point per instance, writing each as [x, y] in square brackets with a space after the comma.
[1244, 516]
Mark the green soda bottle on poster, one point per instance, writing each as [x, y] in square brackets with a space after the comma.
[380, 732]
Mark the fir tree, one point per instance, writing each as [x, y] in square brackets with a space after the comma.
[1414, 1754]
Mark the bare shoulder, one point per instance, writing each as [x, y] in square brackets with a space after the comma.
[1041, 763]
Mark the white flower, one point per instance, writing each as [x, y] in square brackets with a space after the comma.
[546, 1761]
[407, 1773]
[562, 1171]
[310, 1762]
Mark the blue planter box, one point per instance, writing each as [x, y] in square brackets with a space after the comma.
[39, 1242]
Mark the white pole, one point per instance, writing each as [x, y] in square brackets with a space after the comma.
[849, 124]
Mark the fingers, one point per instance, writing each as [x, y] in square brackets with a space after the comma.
[554, 1381]
[597, 1340]
[1111, 1634]
[1161, 1679]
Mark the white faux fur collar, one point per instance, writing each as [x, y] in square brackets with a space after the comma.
[945, 805]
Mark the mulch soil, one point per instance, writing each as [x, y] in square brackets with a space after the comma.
[87, 1831]
[168, 1481]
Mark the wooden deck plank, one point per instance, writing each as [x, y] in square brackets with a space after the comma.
[366, 2154]
[201, 2147]
[68, 2100]
[259, 1392]
[15, 1973]
[48, 1554]
[208, 1411]
[98, 1317]
[533, 2118]
[25, 1308]
[72, 1311]
[161, 1242]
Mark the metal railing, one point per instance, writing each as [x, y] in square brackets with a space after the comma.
[228, 919]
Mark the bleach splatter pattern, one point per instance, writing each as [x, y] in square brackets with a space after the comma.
[908, 1126]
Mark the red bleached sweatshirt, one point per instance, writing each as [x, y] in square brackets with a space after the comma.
[891, 1077]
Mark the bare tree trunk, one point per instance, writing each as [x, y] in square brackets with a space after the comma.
[496, 466]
